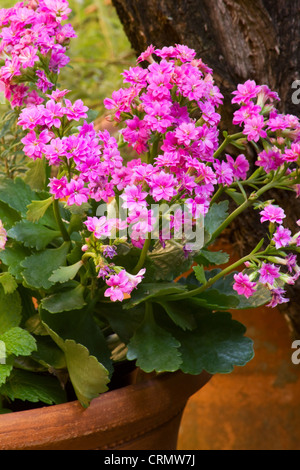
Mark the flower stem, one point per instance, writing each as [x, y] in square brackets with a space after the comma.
[143, 255]
[59, 221]
[227, 141]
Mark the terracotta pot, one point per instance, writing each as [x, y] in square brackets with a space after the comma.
[144, 416]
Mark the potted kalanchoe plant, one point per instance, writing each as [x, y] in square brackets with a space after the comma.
[97, 232]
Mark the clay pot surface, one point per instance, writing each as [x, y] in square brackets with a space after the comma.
[143, 416]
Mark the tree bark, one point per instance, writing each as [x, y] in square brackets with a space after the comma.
[239, 40]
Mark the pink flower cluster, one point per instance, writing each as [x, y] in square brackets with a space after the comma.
[259, 118]
[269, 272]
[168, 109]
[33, 45]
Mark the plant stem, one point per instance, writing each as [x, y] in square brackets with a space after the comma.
[241, 209]
[59, 221]
[143, 255]
[193, 293]
[227, 141]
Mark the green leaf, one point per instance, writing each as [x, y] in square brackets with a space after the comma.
[10, 310]
[35, 176]
[32, 235]
[37, 209]
[216, 215]
[181, 313]
[92, 114]
[8, 216]
[17, 194]
[48, 353]
[12, 257]
[18, 342]
[5, 371]
[66, 300]
[88, 376]
[80, 326]
[123, 322]
[200, 274]
[49, 260]
[153, 348]
[8, 283]
[148, 291]
[66, 273]
[211, 258]
[236, 196]
[28, 386]
[168, 262]
[217, 345]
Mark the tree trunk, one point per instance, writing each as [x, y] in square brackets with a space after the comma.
[239, 40]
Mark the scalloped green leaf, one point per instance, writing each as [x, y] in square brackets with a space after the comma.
[13, 256]
[217, 345]
[211, 258]
[16, 193]
[147, 291]
[154, 348]
[18, 342]
[28, 386]
[88, 376]
[66, 273]
[37, 209]
[33, 235]
[66, 300]
[8, 282]
[49, 260]
[10, 310]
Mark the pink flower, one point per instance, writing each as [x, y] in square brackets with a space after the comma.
[34, 146]
[10, 69]
[246, 112]
[135, 76]
[270, 160]
[147, 54]
[292, 154]
[43, 83]
[273, 214]
[224, 173]
[239, 167]
[277, 297]
[99, 226]
[58, 8]
[53, 113]
[28, 57]
[58, 187]
[246, 92]
[77, 193]
[268, 273]
[57, 95]
[31, 117]
[122, 283]
[136, 134]
[243, 285]
[254, 128]
[134, 197]
[282, 237]
[163, 186]
[186, 133]
[75, 111]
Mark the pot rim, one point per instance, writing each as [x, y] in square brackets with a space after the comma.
[110, 417]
